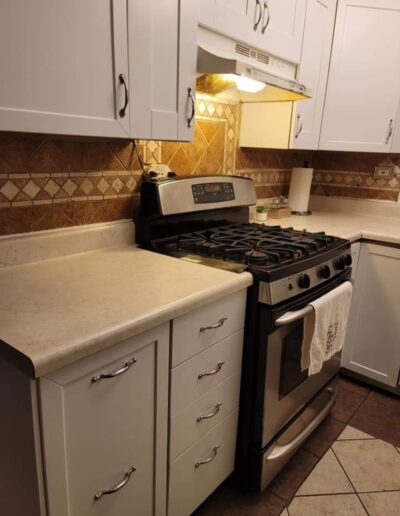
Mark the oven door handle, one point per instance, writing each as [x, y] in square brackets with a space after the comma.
[290, 317]
[279, 452]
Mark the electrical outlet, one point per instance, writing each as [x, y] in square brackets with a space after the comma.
[384, 172]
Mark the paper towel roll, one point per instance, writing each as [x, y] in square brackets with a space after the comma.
[300, 187]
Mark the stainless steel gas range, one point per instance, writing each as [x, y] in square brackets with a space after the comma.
[206, 220]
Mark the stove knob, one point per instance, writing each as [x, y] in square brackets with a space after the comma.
[324, 272]
[343, 261]
[304, 281]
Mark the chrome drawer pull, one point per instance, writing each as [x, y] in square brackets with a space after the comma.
[119, 486]
[214, 326]
[123, 370]
[210, 458]
[211, 414]
[214, 371]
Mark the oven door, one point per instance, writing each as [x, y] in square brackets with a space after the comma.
[287, 388]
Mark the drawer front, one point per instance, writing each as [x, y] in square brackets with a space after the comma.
[189, 425]
[198, 330]
[197, 376]
[190, 482]
[96, 431]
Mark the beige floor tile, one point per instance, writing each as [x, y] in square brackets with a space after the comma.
[284, 513]
[352, 433]
[331, 505]
[371, 464]
[382, 504]
[327, 477]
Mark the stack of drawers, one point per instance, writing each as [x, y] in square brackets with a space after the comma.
[205, 382]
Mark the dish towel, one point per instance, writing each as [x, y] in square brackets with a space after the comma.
[325, 328]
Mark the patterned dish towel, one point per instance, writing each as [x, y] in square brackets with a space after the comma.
[325, 329]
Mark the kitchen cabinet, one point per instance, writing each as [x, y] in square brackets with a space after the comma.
[62, 67]
[372, 347]
[104, 422]
[205, 374]
[162, 67]
[363, 86]
[273, 26]
[283, 125]
[313, 71]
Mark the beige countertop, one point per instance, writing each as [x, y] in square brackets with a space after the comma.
[348, 219]
[54, 312]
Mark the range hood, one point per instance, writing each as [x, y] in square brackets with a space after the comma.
[239, 71]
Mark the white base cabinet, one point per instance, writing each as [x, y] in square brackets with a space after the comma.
[373, 337]
[100, 432]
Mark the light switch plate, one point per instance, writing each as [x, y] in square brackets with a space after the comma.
[384, 172]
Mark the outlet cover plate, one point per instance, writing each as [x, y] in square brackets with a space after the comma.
[384, 172]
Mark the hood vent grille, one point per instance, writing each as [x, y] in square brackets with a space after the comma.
[243, 50]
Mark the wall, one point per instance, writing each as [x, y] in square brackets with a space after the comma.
[49, 182]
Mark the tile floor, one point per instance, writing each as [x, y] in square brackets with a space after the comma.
[350, 466]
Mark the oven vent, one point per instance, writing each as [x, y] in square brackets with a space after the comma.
[252, 54]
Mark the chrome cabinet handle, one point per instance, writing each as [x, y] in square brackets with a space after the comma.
[390, 131]
[214, 371]
[122, 80]
[211, 414]
[266, 23]
[218, 324]
[193, 111]
[299, 126]
[257, 19]
[116, 488]
[210, 458]
[123, 370]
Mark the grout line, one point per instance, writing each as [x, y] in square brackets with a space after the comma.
[352, 485]
[325, 494]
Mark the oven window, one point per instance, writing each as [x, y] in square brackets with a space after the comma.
[291, 374]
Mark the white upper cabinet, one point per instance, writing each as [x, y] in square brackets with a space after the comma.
[313, 72]
[280, 27]
[162, 66]
[363, 87]
[274, 26]
[61, 63]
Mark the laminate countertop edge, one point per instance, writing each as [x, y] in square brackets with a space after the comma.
[189, 285]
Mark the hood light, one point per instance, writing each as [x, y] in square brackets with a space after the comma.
[246, 84]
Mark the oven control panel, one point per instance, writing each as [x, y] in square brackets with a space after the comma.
[291, 286]
[205, 193]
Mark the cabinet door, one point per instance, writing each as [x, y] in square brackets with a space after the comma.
[234, 18]
[313, 71]
[373, 338]
[363, 85]
[97, 428]
[60, 65]
[162, 64]
[281, 27]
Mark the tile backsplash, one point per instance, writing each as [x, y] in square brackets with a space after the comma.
[51, 181]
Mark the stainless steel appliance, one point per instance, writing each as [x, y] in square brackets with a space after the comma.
[206, 220]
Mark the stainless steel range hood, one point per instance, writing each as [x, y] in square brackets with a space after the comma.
[245, 68]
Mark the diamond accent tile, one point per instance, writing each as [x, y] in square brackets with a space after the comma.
[70, 187]
[9, 190]
[51, 187]
[102, 185]
[211, 108]
[86, 186]
[31, 189]
[131, 184]
[117, 185]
